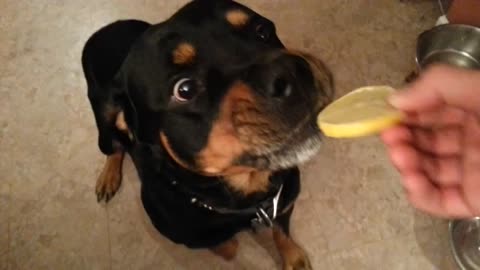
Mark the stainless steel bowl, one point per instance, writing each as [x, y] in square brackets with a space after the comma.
[465, 242]
[454, 44]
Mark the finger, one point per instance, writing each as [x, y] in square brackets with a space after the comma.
[471, 162]
[446, 116]
[440, 141]
[444, 172]
[396, 134]
[426, 196]
[454, 204]
[440, 85]
[405, 158]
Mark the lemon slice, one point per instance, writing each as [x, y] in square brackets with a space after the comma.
[364, 111]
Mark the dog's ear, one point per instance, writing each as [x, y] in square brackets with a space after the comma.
[107, 48]
[102, 60]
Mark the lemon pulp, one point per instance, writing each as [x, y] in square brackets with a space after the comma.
[362, 112]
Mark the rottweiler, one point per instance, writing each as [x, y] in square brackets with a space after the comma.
[216, 114]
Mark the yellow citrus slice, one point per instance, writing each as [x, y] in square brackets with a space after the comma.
[364, 111]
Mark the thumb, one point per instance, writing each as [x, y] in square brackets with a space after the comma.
[440, 86]
[416, 98]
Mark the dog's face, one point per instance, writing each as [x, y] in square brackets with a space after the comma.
[219, 91]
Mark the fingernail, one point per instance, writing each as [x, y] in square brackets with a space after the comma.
[397, 99]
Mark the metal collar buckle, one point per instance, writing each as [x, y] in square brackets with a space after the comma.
[263, 219]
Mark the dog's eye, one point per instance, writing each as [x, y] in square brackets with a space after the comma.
[263, 32]
[185, 89]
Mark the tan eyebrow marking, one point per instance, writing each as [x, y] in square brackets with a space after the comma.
[184, 54]
[238, 18]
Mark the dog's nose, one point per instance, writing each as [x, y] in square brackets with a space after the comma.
[280, 76]
[280, 87]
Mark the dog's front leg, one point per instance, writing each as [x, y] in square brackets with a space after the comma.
[227, 250]
[111, 177]
[293, 256]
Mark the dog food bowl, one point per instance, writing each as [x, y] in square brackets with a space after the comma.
[454, 44]
[465, 242]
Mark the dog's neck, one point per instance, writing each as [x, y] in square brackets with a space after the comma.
[244, 182]
[249, 182]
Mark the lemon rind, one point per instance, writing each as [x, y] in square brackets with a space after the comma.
[360, 129]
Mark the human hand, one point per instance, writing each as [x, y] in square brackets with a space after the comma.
[437, 148]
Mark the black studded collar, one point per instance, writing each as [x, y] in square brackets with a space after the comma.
[262, 213]
[212, 195]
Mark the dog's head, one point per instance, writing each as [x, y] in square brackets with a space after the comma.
[219, 91]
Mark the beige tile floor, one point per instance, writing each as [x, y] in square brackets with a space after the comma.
[351, 214]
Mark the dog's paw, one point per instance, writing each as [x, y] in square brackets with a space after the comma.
[293, 256]
[297, 259]
[107, 184]
[227, 250]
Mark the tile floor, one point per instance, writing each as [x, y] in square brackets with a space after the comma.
[351, 215]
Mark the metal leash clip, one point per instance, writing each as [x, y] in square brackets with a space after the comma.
[263, 219]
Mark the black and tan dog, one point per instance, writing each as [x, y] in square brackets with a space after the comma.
[216, 115]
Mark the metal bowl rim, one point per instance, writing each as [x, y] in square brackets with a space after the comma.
[441, 28]
[450, 25]
[451, 227]
[463, 53]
